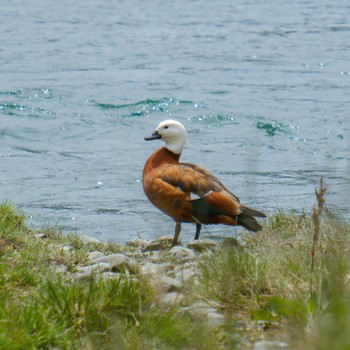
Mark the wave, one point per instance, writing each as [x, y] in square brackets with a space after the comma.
[144, 107]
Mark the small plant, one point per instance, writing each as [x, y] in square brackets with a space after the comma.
[317, 211]
[42, 308]
[290, 281]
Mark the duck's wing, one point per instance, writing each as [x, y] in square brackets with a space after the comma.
[213, 178]
[208, 196]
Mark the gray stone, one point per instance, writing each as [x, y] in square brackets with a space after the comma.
[62, 247]
[40, 235]
[110, 275]
[172, 298]
[61, 268]
[230, 243]
[170, 284]
[119, 262]
[215, 318]
[154, 269]
[202, 245]
[153, 256]
[270, 345]
[89, 239]
[97, 267]
[208, 313]
[159, 244]
[82, 276]
[182, 254]
[137, 243]
[113, 259]
[185, 275]
[202, 308]
[95, 255]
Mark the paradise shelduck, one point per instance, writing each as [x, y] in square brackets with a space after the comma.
[187, 192]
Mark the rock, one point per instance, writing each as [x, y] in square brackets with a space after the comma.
[153, 256]
[82, 276]
[229, 243]
[136, 255]
[95, 255]
[181, 254]
[110, 275]
[160, 244]
[171, 298]
[154, 269]
[84, 273]
[97, 267]
[61, 268]
[170, 284]
[210, 313]
[40, 235]
[201, 245]
[137, 243]
[119, 262]
[270, 345]
[215, 318]
[112, 259]
[62, 247]
[185, 276]
[89, 239]
[202, 308]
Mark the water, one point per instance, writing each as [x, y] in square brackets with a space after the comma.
[263, 89]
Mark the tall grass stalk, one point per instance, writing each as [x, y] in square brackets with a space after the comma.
[43, 307]
[261, 284]
[316, 249]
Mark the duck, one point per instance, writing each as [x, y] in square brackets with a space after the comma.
[187, 192]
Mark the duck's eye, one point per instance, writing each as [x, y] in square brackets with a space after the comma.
[166, 127]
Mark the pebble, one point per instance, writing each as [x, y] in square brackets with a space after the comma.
[40, 235]
[95, 255]
[98, 267]
[110, 275]
[160, 244]
[151, 268]
[171, 270]
[270, 345]
[201, 245]
[185, 276]
[216, 319]
[172, 298]
[170, 284]
[181, 255]
[89, 239]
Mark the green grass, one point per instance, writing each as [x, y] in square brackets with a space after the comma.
[265, 285]
[269, 278]
[41, 308]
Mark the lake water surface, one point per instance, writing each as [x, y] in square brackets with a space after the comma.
[263, 89]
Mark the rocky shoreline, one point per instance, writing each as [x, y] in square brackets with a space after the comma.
[172, 271]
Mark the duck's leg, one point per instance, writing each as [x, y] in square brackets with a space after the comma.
[198, 230]
[177, 233]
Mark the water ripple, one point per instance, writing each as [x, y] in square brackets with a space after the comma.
[19, 109]
[144, 107]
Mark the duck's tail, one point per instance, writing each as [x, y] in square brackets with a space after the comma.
[247, 219]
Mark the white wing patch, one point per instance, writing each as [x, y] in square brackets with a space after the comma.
[195, 196]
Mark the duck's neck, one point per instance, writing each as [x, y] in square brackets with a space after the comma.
[175, 144]
[160, 156]
[172, 155]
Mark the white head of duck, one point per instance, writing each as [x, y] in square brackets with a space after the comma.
[173, 133]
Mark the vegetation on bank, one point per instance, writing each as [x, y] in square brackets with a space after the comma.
[290, 283]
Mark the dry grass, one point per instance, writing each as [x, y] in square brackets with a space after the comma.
[293, 277]
[295, 272]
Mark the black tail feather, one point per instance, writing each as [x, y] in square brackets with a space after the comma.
[247, 220]
[253, 212]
